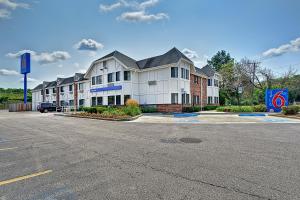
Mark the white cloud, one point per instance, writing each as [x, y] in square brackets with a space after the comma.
[44, 57]
[141, 16]
[8, 5]
[138, 11]
[111, 7]
[60, 66]
[199, 61]
[88, 45]
[7, 72]
[292, 46]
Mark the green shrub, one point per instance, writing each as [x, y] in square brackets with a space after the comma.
[235, 109]
[148, 109]
[132, 110]
[260, 108]
[290, 110]
[191, 109]
[101, 109]
[210, 107]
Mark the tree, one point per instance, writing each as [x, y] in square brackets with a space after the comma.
[220, 59]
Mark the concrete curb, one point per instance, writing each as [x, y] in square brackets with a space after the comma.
[99, 118]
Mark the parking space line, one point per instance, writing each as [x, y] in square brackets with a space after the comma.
[6, 149]
[24, 177]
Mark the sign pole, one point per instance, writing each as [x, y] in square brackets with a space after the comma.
[25, 88]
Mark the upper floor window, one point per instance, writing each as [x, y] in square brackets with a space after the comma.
[93, 80]
[70, 88]
[216, 83]
[80, 86]
[196, 79]
[54, 90]
[187, 74]
[127, 76]
[104, 64]
[182, 73]
[209, 82]
[62, 89]
[174, 72]
[47, 91]
[98, 79]
[117, 76]
[110, 77]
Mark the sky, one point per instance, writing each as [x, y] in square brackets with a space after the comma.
[66, 36]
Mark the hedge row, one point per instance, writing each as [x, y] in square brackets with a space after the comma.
[257, 108]
[290, 110]
[113, 111]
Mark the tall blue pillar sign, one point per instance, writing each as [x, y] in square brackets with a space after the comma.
[276, 99]
[25, 69]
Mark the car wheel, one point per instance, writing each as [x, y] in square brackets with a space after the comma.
[45, 111]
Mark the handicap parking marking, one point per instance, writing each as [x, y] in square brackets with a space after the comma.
[279, 120]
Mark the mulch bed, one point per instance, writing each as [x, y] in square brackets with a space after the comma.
[99, 117]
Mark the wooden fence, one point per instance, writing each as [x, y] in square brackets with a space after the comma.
[20, 107]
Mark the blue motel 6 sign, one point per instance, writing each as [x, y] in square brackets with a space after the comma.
[276, 99]
[25, 69]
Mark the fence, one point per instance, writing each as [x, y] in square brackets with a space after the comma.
[19, 107]
[3, 106]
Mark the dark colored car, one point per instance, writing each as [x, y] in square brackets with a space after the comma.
[49, 107]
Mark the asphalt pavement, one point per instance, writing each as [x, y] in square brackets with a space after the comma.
[43, 156]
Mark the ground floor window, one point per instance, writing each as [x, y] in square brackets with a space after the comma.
[209, 100]
[118, 100]
[126, 97]
[99, 101]
[81, 102]
[216, 100]
[62, 103]
[54, 102]
[196, 99]
[185, 98]
[174, 98]
[93, 101]
[71, 102]
[111, 100]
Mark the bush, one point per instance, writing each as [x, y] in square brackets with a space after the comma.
[290, 110]
[206, 108]
[101, 109]
[132, 110]
[235, 109]
[131, 102]
[260, 108]
[191, 109]
[148, 109]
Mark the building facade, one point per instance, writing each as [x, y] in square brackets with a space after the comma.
[168, 82]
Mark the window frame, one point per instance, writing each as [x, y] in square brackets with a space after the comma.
[127, 77]
[175, 75]
[118, 76]
[174, 99]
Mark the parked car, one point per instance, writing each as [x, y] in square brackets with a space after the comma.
[49, 107]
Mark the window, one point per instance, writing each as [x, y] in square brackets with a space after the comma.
[54, 90]
[216, 83]
[209, 100]
[62, 103]
[187, 74]
[118, 100]
[185, 98]
[70, 88]
[127, 76]
[196, 79]
[80, 86]
[110, 77]
[104, 64]
[93, 80]
[209, 82]
[94, 101]
[196, 100]
[174, 72]
[111, 100]
[174, 98]
[98, 79]
[71, 102]
[182, 73]
[62, 89]
[81, 102]
[54, 102]
[126, 97]
[117, 76]
[99, 101]
[216, 100]
[47, 91]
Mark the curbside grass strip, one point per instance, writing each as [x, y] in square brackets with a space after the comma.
[100, 118]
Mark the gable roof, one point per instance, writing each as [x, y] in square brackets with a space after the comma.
[172, 56]
[39, 87]
[67, 80]
[129, 62]
[51, 84]
[208, 70]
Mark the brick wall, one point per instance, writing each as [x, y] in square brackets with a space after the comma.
[76, 95]
[204, 91]
[169, 108]
[196, 89]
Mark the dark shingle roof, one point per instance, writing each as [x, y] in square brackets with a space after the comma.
[51, 84]
[67, 80]
[39, 87]
[172, 56]
[129, 62]
[208, 70]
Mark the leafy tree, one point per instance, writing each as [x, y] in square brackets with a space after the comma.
[220, 59]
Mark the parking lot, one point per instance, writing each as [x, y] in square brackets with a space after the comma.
[43, 156]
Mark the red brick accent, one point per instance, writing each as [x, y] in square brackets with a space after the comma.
[196, 88]
[57, 96]
[169, 108]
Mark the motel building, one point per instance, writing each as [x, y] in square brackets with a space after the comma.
[169, 82]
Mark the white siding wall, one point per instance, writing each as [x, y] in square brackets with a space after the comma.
[50, 97]
[66, 95]
[36, 99]
[213, 91]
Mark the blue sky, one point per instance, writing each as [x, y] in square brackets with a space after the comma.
[65, 36]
